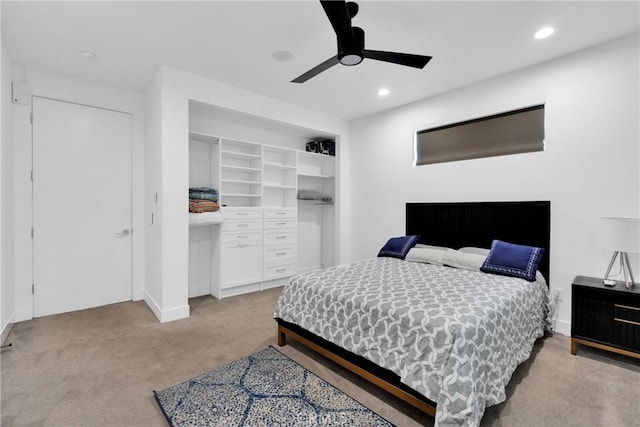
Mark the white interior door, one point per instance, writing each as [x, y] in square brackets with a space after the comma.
[81, 206]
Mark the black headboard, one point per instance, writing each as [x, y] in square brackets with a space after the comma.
[455, 225]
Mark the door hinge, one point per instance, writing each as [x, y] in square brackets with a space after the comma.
[33, 289]
[31, 176]
[32, 232]
[31, 118]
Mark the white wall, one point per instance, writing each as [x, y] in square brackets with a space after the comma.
[589, 167]
[174, 91]
[56, 86]
[7, 305]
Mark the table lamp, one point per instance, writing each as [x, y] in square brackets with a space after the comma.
[621, 235]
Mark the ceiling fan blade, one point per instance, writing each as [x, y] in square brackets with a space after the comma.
[338, 15]
[410, 60]
[316, 70]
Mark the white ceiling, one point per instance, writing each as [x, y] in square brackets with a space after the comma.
[233, 42]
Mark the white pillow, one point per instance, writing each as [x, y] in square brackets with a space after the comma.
[420, 245]
[474, 250]
[426, 254]
[465, 260]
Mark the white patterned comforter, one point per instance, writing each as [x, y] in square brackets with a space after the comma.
[455, 336]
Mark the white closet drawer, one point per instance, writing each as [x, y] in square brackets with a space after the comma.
[241, 213]
[240, 225]
[279, 237]
[280, 212]
[251, 236]
[280, 254]
[277, 271]
[271, 224]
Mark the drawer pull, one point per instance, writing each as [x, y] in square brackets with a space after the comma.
[282, 270]
[243, 213]
[281, 223]
[281, 213]
[241, 245]
[242, 237]
[627, 306]
[242, 225]
[281, 237]
[281, 254]
[626, 321]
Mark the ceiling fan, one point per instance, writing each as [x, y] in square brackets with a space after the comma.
[351, 49]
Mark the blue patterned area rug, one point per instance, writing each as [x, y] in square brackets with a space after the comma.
[264, 389]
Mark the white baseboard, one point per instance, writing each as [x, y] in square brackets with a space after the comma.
[561, 327]
[166, 315]
[137, 295]
[6, 328]
[23, 313]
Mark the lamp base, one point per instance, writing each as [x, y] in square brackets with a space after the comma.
[625, 268]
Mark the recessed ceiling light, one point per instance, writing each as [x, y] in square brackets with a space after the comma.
[283, 55]
[87, 54]
[383, 92]
[543, 33]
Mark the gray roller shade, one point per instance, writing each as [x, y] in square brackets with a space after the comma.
[513, 132]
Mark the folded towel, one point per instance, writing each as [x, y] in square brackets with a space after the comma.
[199, 206]
[203, 193]
[204, 196]
[203, 190]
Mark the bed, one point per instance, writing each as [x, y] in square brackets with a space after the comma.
[446, 340]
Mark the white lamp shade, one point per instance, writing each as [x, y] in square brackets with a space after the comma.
[620, 234]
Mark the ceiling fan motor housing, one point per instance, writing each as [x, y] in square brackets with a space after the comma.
[352, 55]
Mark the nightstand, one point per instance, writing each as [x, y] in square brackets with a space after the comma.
[605, 318]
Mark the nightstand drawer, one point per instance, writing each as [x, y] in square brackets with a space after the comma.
[627, 313]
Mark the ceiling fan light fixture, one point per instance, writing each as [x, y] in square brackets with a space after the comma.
[351, 59]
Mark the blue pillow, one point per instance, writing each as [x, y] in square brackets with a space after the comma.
[398, 247]
[513, 260]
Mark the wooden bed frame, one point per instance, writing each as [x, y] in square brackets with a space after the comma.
[453, 225]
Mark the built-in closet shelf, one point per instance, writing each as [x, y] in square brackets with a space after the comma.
[239, 195]
[314, 202]
[203, 137]
[311, 175]
[240, 168]
[198, 223]
[239, 155]
[278, 166]
[237, 181]
[282, 187]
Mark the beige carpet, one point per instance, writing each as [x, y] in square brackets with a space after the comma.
[98, 368]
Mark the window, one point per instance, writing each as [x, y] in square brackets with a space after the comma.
[513, 132]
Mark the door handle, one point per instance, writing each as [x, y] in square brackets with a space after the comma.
[123, 233]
